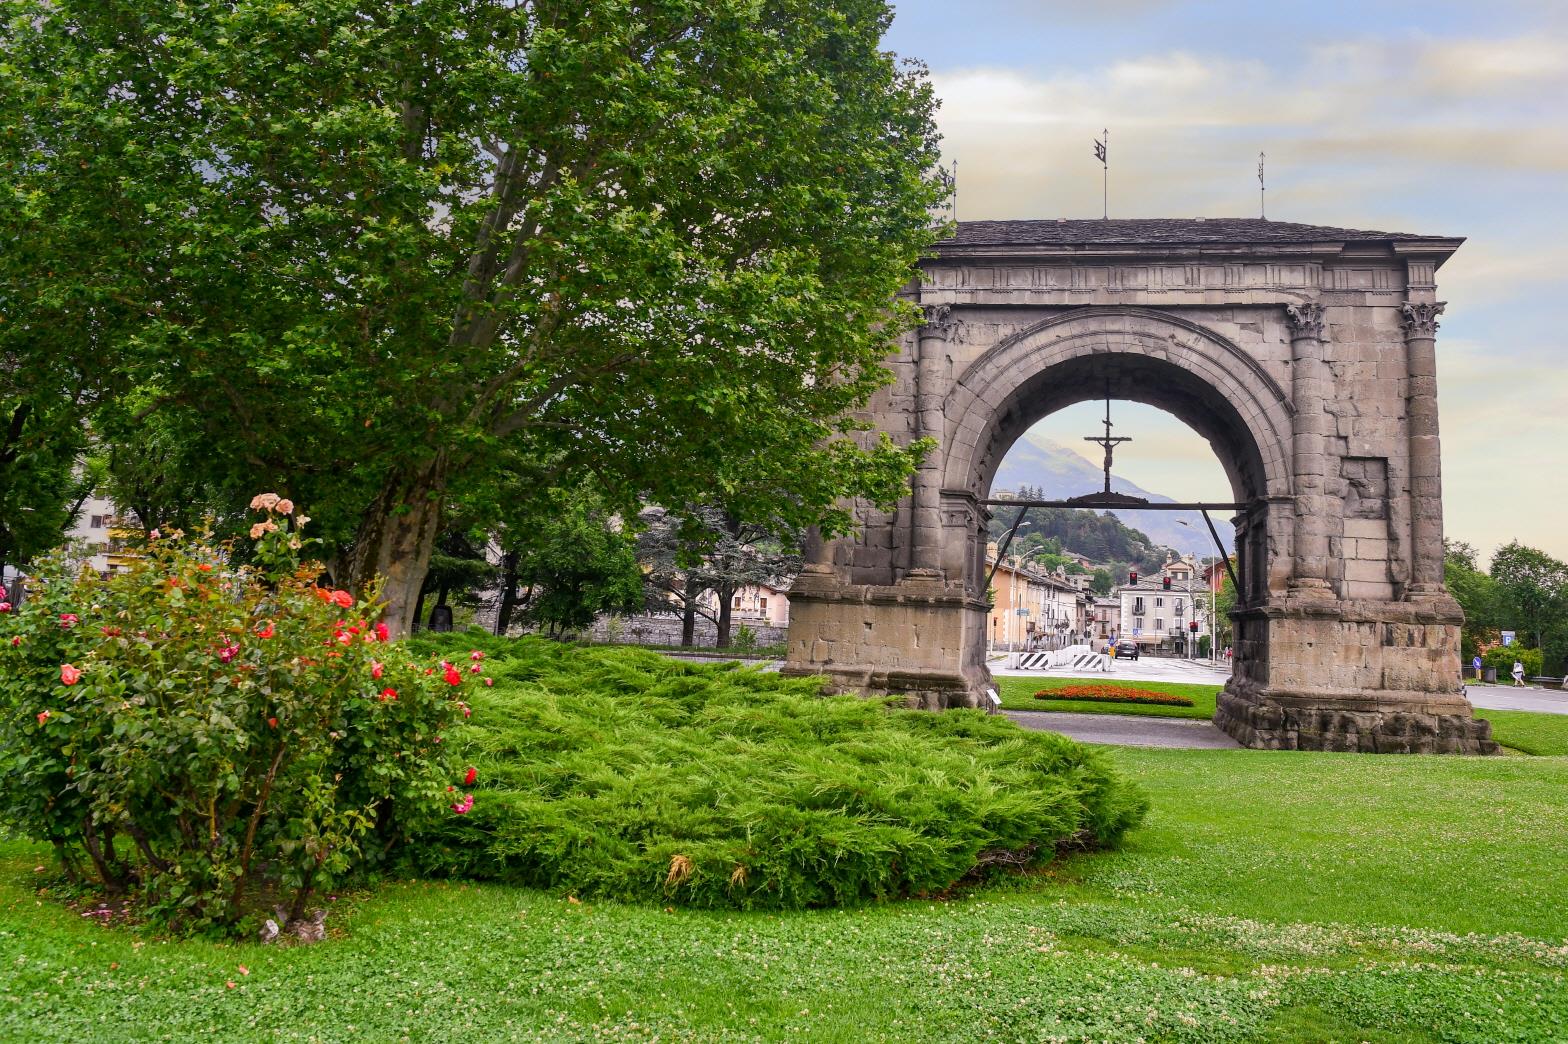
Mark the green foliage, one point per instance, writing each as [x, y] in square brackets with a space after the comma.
[1101, 537]
[1503, 657]
[1430, 910]
[579, 563]
[1477, 595]
[1533, 593]
[625, 774]
[380, 248]
[202, 733]
[1102, 583]
[40, 449]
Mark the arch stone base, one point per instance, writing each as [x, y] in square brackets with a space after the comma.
[920, 639]
[1367, 678]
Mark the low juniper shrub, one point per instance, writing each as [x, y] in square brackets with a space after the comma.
[204, 738]
[619, 773]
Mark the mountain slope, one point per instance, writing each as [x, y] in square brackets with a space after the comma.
[1036, 460]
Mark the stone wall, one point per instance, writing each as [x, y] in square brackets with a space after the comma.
[666, 630]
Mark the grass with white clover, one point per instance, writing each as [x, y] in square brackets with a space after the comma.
[1267, 896]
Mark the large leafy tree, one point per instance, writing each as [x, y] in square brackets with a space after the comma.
[1534, 591]
[1476, 593]
[577, 563]
[706, 549]
[363, 248]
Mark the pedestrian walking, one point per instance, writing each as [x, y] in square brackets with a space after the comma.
[1518, 675]
[1475, 666]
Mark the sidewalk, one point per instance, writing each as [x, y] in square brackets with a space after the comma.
[1128, 730]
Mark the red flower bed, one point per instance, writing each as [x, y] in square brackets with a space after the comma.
[1112, 694]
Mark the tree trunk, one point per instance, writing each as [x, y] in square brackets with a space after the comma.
[503, 614]
[395, 539]
[419, 606]
[689, 613]
[726, 602]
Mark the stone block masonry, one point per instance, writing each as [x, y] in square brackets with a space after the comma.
[1304, 354]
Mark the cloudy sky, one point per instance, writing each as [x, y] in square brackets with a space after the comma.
[1443, 117]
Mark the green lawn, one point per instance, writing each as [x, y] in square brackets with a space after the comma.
[1528, 732]
[1270, 896]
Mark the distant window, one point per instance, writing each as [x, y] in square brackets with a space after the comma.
[763, 603]
[96, 522]
[735, 604]
[1137, 623]
[1159, 623]
[1159, 603]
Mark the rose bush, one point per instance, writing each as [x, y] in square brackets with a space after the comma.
[204, 737]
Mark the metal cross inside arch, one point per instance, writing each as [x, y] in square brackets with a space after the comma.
[1109, 441]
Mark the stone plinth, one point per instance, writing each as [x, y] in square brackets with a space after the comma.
[916, 639]
[1368, 677]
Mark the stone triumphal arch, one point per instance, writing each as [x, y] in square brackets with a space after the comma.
[1305, 355]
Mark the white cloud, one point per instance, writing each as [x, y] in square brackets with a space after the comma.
[1459, 137]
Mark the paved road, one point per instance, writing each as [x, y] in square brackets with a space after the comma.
[1501, 697]
[1130, 730]
[1145, 668]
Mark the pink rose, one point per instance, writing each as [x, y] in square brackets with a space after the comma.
[154, 535]
[70, 675]
[68, 620]
[5, 607]
[462, 807]
[376, 670]
[476, 656]
[44, 716]
[284, 506]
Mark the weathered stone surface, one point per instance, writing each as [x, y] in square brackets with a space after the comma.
[1305, 355]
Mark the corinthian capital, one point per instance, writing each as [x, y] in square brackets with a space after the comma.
[939, 320]
[1420, 320]
[1305, 320]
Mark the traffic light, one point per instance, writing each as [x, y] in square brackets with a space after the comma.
[1193, 626]
[1132, 576]
[1167, 583]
